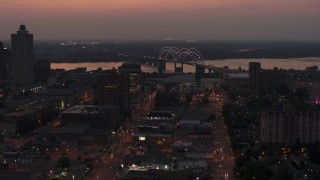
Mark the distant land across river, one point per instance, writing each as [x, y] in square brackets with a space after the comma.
[71, 51]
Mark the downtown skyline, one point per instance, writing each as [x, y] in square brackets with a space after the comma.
[156, 20]
[159, 89]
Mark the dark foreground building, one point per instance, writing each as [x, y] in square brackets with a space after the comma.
[113, 90]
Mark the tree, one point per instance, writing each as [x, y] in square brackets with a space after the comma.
[226, 111]
[257, 171]
[301, 93]
[242, 160]
[255, 154]
[63, 162]
[99, 69]
[302, 164]
[89, 163]
[25, 124]
[283, 172]
[314, 152]
[234, 144]
[300, 105]
[211, 117]
[205, 100]
[297, 145]
[283, 90]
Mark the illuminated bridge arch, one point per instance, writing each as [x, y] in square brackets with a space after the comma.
[179, 55]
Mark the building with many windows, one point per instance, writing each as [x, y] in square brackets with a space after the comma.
[113, 90]
[134, 72]
[273, 79]
[263, 80]
[255, 75]
[285, 128]
[3, 63]
[41, 71]
[22, 57]
[98, 116]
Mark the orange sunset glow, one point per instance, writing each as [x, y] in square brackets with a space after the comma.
[152, 19]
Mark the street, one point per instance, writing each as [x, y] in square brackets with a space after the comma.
[110, 165]
[224, 160]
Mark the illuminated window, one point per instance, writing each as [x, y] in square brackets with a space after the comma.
[142, 138]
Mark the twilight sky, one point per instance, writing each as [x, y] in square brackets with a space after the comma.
[162, 19]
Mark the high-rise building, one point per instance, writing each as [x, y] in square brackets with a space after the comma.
[273, 79]
[41, 71]
[3, 63]
[255, 76]
[262, 80]
[314, 92]
[285, 128]
[134, 72]
[22, 57]
[113, 90]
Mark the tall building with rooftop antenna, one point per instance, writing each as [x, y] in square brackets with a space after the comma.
[22, 57]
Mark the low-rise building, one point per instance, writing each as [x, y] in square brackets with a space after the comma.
[236, 80]
[161, 116]
[152, 138]
[194, 129]
[22, 120]
[191, 164]
[97, 116]
[59, 96]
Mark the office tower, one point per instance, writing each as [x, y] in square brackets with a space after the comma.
[22, 57]
[96, 116]
[272, 79]
[113, 90]
[262, 80]
[41, 71]
[314, 92]
[255, 75]
[284, 128]
[134, 72]
[3, 63]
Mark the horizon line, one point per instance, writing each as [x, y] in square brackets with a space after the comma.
[177, 40]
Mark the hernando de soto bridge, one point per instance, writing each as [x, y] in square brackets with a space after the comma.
[189, 56]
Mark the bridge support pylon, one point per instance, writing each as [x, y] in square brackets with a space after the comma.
[200, 69]
[161, 66]
[211, 71]
[177, 68]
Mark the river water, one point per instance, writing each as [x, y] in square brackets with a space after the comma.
[293, 63]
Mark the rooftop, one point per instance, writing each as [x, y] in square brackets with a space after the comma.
[190, 122]
[87, 109]
[238, 75]
[55, 91]
[74, 128]
[181, 78]
[163, 114]
[29, 109]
